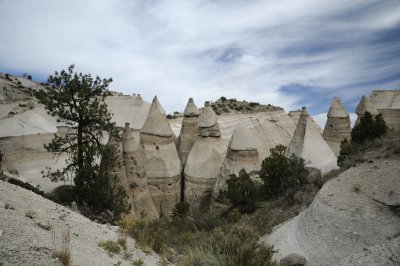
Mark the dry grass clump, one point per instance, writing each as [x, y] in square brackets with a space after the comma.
[30, 214]
[110, 246]
[62, 251]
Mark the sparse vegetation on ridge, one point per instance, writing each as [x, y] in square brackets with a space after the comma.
[224, 105]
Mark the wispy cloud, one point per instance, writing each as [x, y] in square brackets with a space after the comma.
[287, 53]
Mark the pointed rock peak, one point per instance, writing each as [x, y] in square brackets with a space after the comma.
[207, 118]
[337, 109]
[158, 105]
[365, 105]
[243, 139]
[191, 109]
[156, 122]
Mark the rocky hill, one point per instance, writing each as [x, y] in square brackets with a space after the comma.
[233, 106]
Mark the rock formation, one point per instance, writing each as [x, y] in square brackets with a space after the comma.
[337, 126]
[308, 144]
[189, 130]
[204, 160]
[162, 164]
[386, 102]
[242, 154]
[363, 106]
[137, 189]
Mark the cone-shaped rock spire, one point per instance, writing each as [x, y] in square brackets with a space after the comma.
[363, 106]
[337, 109]
[191, 109]
[189, 130]
[337, 126]
[208, 123]
[156, 123]
[133, 160]
[296, 144]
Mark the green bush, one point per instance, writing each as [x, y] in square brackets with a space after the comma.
[110, 246]
[181, 210]
[369, 128]
[242, 192]
[281, 174]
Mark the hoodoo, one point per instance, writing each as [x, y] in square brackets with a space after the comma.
[204, 160]
[189, 130]
[137, 189]
[162, 163]
[242, 154]
[337, 126]
[308, 144]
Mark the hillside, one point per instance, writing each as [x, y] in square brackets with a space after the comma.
[31, 227]
[233, 106]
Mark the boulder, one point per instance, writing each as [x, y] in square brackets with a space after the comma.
[293, 259]
[337, 126]
[189, 130]
[161, 161]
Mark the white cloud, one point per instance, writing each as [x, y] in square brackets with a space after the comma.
[206, 49]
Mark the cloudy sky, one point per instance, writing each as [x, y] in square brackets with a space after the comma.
[287, 53]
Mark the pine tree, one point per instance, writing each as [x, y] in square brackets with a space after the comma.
[77, 100]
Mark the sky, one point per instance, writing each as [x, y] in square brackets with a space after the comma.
[286, 53]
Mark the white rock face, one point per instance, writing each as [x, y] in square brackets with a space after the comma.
[162, 164]
[340, 222]
[189, 130]
[338, 126]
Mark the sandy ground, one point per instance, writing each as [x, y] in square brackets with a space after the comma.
[343, 225]
[23, 242]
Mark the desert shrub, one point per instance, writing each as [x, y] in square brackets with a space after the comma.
[223, 99]
[122, 236]
[356, 187]
[149, 234]
[242, 192]
[110, 246]
[236, 245]
[281, 174]
[25, 185]
[138, 262]
[253, 104]
[7, 76]
[181, 210]
[369, 128]
[30, 214]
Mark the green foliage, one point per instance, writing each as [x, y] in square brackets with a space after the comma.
[223, 99]
[181, 210]
[281, 174]
[369, 128]
[78, 100]
[25, 185]
[242, 192]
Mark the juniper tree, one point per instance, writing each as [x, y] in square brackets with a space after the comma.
[77, 100]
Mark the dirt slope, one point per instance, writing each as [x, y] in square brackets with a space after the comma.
[23, 242]
[344, 224]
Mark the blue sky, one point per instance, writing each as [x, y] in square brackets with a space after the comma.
[286, 53]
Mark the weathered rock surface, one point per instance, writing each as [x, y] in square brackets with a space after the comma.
[338, 125]
[305, 139]
[242, 154]
[204, 160]
[363, 106]
[341, 223]
[189, 130]
[137, 188]
[162, 164]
